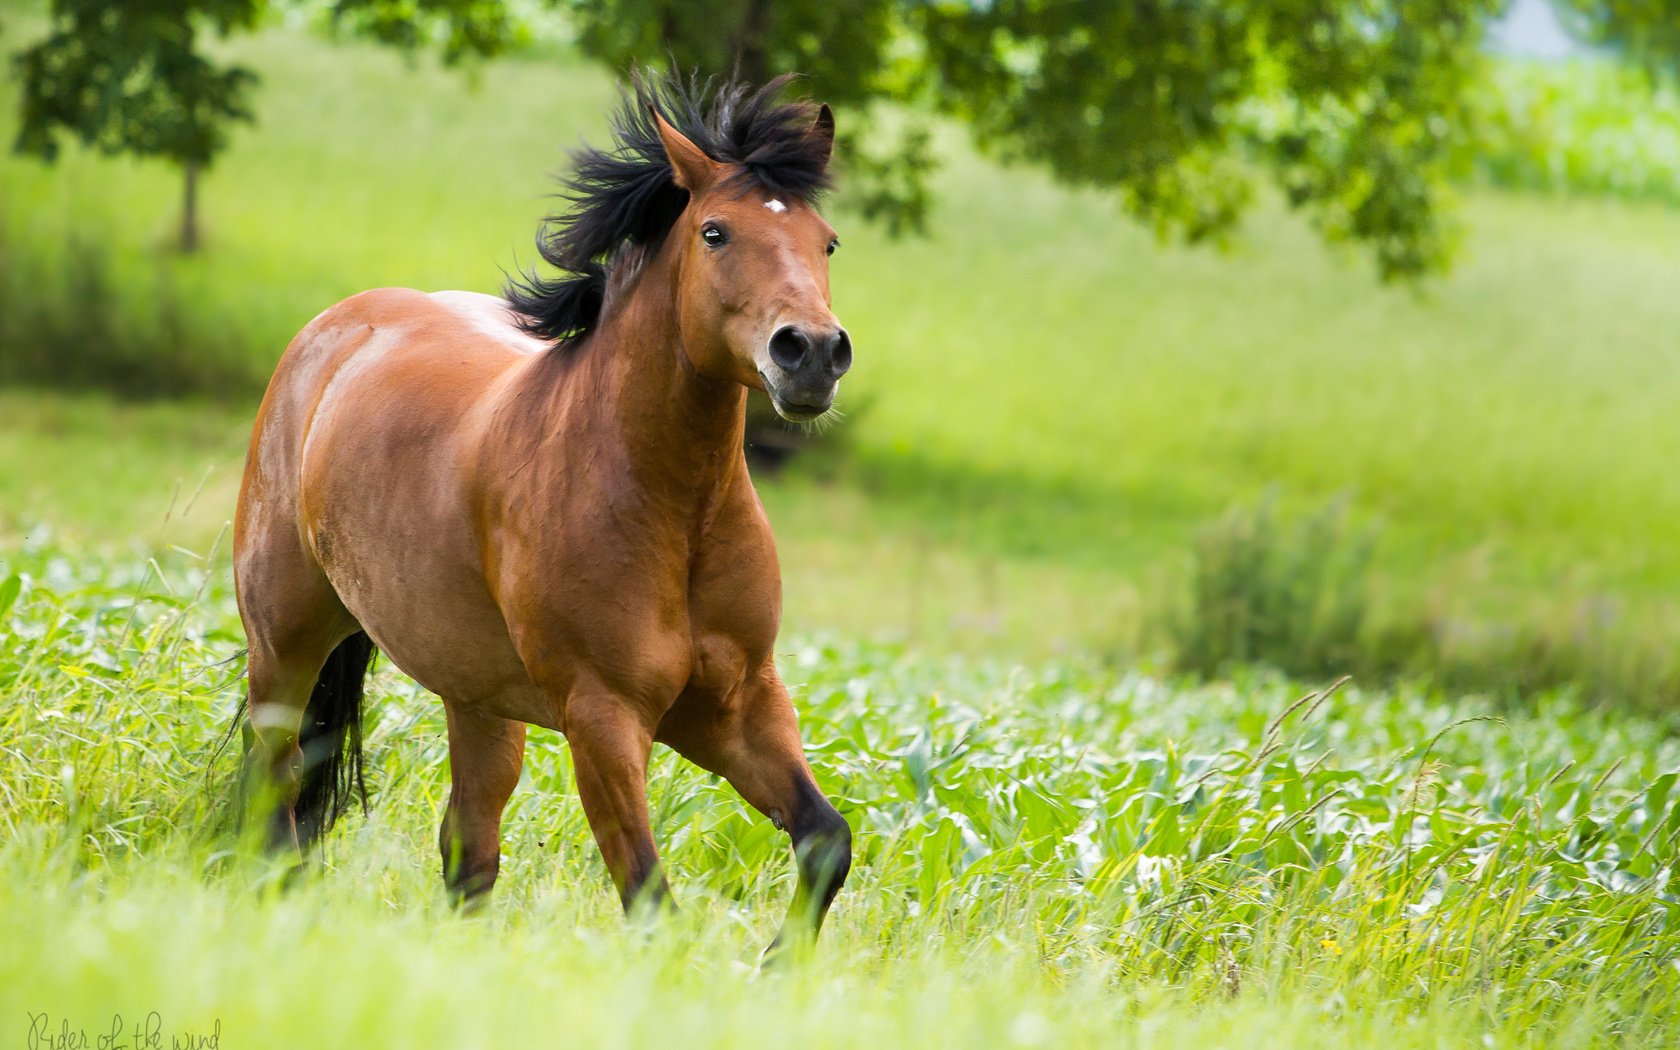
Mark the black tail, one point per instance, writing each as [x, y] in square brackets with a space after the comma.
[331, 739]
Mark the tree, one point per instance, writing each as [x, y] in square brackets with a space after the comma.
[1354, 108]
[129, 79]
[1175, 104]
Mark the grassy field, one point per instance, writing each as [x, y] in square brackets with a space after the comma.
[1057, 844]
[1053, 855]
[1046, 402]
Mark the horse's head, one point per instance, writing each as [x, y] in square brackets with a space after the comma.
[752, 278]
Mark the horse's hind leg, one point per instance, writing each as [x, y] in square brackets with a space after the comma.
[485, 754]
[293, 621]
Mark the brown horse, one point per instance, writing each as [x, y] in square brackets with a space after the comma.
[538, 507]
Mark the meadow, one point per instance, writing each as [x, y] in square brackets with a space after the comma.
[1042, 498]
[1046, 401]
[1053, 854]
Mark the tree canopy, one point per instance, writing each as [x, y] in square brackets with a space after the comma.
[1355, 109]
[132, 78]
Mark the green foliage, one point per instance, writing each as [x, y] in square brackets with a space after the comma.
[1356, 110]
[1589, 127]
[1046, 855]
[130, 78]
[1147, 99]
[1292, 593]
[841, 46]
[1362, 98]
[1300, 594]
[456, 29]
[1360, 113]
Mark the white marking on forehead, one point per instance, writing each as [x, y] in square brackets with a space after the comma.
[775, 205]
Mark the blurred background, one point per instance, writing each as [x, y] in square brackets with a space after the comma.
[1329, 336]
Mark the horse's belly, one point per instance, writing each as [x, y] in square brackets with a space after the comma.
[446, 637]
[388, 521]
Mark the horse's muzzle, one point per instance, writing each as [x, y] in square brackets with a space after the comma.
[804, 371]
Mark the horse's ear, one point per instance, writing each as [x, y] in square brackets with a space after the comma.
[822, 131]
[693, 170]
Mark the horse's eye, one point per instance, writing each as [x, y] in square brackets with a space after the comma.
[713, 235]
[835, 243]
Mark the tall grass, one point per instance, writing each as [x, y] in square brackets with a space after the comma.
[1046, 855]
[72, 320]
[1299, 593]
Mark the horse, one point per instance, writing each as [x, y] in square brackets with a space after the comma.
[536, 505]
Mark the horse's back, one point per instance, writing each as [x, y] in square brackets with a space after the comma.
[384, 357]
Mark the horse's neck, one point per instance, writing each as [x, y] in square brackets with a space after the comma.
[635, 390]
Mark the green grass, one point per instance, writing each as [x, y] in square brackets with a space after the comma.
[1047, 401]
[1047, 404]
[1047, 855]
[91, 472]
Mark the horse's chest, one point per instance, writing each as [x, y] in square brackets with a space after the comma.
[734, 611]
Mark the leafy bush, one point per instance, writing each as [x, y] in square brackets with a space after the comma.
[1298, 594]
[1291, 593]
[72, 322]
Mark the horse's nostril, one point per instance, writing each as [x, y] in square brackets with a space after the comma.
[841, 359]
[788, 347]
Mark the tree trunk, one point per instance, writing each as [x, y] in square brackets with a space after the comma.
[752, 44]
[668, 30]
[189, 208]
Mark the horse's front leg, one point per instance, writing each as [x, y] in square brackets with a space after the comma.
[611, 740]
[753, 741]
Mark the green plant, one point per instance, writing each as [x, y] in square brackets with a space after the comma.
[1289, 592]
[1048, 854]
[72, 322]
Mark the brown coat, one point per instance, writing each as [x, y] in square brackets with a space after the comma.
[564, 536]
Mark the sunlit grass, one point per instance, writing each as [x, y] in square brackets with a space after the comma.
[1046, 855]
[1053, 853]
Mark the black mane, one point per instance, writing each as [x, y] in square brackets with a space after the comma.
[628, 197]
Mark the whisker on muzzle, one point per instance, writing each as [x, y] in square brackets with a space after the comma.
[820, 425]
